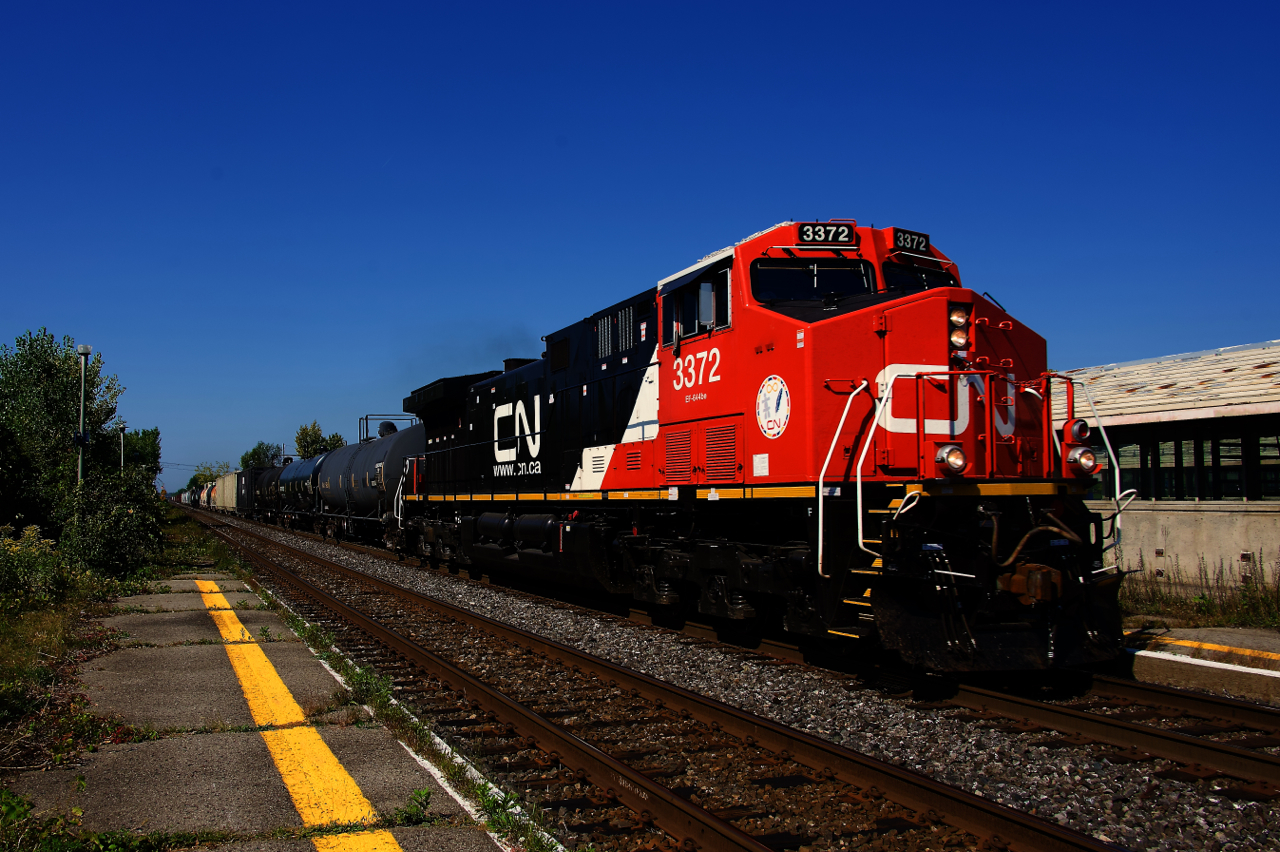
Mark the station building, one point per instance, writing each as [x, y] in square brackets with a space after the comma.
[1198, 437]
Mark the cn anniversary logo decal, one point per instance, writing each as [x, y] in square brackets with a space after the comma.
[773, 406]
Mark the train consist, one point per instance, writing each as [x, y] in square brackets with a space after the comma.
[818, 428]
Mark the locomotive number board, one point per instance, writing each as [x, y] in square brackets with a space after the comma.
[910, 241]
[828, 233]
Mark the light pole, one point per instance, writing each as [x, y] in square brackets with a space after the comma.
[122, 429]
[83, 351]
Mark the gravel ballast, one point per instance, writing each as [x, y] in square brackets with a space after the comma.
[1118, 803]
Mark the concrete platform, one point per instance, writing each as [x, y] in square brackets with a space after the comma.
[173, 602]
[1241, 662]
[200, 776]
[214, 782]
[194, 686]
[418, 839]
[171, 628]
[177, 586]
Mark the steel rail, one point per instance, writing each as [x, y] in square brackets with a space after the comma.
[1000, 826]
[1196, 703]
[1232, 760]
[693, 827]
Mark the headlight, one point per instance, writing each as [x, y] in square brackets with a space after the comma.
[952, 456]
[1078, 430]
[959, 316]
[959, 338]
[1083, 458]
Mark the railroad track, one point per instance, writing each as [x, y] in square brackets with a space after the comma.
[1146, 721]
[1140, 722]
[641, 764]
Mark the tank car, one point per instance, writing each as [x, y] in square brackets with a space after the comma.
[819, 427]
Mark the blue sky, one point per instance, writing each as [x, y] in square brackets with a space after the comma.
[264, 214]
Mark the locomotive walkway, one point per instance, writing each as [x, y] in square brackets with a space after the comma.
[247, 743]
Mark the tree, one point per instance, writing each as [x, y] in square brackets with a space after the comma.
[110, 522]
[39, 416]
[263, 454]
[207, 472]
[310, 441]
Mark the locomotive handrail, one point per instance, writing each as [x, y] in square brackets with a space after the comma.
[884, 401]
[823, 473]
[1128, 496]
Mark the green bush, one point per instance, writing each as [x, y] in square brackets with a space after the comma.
[32, 574]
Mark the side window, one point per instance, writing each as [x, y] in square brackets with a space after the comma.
[722, 316]
[697, 307]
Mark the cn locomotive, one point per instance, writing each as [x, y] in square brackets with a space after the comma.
[818, 428]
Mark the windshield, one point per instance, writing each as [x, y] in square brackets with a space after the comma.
[899, 276]
[827, 280]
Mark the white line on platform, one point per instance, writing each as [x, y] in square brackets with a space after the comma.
[1183, 658]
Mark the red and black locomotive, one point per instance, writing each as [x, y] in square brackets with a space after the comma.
[819, 428]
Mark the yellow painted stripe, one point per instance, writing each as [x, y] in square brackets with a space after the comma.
[436, 498]
[722, 493]
[1209, 646]
[787, 491]
[322, 790]
[504, 496]
[360, 841]
[856, 571]
[857, 603]
[211, 595]
[842, 633]
[553, 495]
[637, 495]
[992, 489]
[583, 495]
[269, 699]
[531, 496]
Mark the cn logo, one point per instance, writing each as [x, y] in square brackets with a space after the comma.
[773, 406]
[533, 437]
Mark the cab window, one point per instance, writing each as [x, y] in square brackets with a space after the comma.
[697, 307]
[908, 278]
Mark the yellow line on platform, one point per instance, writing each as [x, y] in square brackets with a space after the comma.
[1209, 646]
[321, 788]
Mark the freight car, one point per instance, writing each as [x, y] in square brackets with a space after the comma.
[818, 427]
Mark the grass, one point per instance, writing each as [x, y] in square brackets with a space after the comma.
[1225, 594]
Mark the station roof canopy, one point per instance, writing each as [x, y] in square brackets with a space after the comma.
[1229, 382]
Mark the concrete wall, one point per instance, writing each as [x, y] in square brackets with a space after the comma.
[1218, 531]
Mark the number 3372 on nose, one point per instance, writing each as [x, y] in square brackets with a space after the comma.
[693, 370]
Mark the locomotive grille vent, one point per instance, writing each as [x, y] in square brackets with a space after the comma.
[679, 457]
[626, 328]
[604, 337]
[633, 460]
[722, 453]
[597, 464]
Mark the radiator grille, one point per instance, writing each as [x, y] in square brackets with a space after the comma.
[633, 460]
[626, 328]
[679, 457]
[722, 453]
